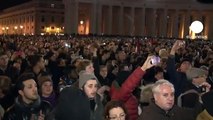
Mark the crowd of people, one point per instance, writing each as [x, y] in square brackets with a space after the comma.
[105, 78]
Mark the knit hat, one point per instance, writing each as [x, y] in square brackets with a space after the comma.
[84, 77]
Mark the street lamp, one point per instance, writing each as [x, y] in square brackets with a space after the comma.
[21, 27]
[15, 29]
[57, 30]
[196, 26]
[81, 22]
[47, 30]
[7, 28]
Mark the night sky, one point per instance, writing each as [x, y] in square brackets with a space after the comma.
[8, 3]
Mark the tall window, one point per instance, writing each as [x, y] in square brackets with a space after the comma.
[53, 19]
[42, 19]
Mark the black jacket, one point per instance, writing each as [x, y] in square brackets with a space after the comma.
[22, 111]
[153, 112]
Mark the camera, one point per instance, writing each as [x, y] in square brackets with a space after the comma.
[155, 60]
[201, 89]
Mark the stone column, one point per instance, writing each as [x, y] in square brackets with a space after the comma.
[93, 19]
[175, 24]
[187, 24]
[153, 33]
[164, 22]
[121, 22]
[109, 30]
[71, 16]
[99, 20]
[143, 21]
[132, 25]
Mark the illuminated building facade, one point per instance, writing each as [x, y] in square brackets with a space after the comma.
[33, 17]
[160, 18]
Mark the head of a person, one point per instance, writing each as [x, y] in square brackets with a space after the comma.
[86, 65]
[5, 84]
[27, 88]
[89, 84]
[72, 104]
[103, 71]
[163, 53]
[158, 72]
[45, 85]
[3, 60]
[76, 61]
[197, 76]
[163, 93]
[106, 54]
[185, 65]
[36, 61]
[115, 110]
[121, 55]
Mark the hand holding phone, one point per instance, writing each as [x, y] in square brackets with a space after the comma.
[155, 60]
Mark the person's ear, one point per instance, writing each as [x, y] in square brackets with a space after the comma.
[155, 96]
[21, 92]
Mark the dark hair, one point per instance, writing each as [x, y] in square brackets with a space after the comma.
[5, 84]
[158, 69]
[34, 59]
[114, 104]
[210, 70]
[22, 78]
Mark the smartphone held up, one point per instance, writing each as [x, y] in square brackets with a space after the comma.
[155, 60]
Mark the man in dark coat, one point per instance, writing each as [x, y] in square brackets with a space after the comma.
[163, 108]
[28, 105]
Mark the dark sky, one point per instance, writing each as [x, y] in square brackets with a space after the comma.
[8, 3]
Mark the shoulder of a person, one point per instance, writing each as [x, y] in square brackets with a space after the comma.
[45, 105]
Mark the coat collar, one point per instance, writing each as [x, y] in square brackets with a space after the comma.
[169, 113]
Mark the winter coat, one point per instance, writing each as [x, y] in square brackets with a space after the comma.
[97, 113]
[124, 92]
[153, 112]
[204, 116]
[22, 111]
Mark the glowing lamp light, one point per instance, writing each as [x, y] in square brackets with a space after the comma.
[81, 22]
[196, 27]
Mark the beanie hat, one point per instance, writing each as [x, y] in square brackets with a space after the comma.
[84, 77]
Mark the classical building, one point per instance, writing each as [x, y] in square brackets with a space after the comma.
[33, 17]
[161, 18]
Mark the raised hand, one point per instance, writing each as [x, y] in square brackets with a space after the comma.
[147, 64]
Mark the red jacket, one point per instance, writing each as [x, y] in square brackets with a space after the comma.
[124, 93]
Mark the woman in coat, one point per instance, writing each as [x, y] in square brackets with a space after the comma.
[123, 92]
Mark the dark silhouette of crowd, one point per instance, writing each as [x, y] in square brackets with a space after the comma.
[105, 78]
